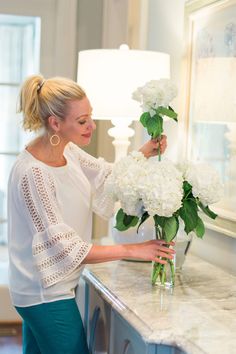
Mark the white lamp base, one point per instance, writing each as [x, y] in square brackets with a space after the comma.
[121, 132]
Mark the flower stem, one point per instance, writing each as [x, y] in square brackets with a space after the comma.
[159, 149]
[159, 153]
[159, 271]
[163, 275]
[172, 269]
[156, 271]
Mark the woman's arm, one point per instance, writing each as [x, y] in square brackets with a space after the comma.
[148, 251]
[57, 248]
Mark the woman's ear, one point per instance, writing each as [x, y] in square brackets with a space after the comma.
[54, 123]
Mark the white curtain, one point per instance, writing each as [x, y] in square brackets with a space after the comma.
[19, 48]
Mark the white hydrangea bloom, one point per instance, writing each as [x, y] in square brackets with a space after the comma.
[183, 167]
[161, 189]
[205, 182]
[123, 183]
[146, 185]
[155, 93]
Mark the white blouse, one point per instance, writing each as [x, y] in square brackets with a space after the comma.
[50, 223]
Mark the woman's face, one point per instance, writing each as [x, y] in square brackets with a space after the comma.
[78, 125]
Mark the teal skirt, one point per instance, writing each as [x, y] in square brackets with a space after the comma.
[53, 328]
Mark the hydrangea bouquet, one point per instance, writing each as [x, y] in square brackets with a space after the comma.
[155, 97]
[168, 193]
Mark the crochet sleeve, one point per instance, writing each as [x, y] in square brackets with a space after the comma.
[57, 248]
[97, 172]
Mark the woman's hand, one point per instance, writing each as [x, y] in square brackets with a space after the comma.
[151, 147]
[151, 251]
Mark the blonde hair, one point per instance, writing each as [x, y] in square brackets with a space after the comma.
[40, 99]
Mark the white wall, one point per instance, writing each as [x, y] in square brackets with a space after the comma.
[165, 34]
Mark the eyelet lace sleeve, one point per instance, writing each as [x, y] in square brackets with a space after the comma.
[56, 247]
[96, 171]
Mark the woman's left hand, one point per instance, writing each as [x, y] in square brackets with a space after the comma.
[151, 147]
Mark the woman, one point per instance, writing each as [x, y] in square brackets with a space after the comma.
[53, 188]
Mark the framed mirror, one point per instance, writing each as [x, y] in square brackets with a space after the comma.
[210, 100]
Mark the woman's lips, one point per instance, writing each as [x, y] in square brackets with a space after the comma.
[87, 135]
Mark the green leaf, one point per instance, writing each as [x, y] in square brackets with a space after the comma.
[119, 220]
[155, 126]
[144, 117]
[188, 213]
[169, 225]
[170, 108]
[144, 217]
[130, 220]
[200, 228]
[167, 112]
[170, 228]
[124, 221]
[159, 220]
[187, 191]
[187, 187]
[207, 210]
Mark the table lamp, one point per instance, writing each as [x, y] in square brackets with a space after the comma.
[215, 102]
[109, 77]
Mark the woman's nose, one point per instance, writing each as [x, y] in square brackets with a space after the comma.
[93, 125]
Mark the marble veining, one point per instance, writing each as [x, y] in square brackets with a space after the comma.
[198, 315]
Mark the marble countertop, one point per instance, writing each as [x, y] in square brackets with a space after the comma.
[198, 315]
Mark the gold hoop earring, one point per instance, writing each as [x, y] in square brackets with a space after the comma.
[53, 137]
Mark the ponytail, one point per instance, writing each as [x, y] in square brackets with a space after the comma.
[40, 99]
[29, 103]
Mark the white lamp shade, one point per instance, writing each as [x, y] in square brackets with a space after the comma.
[215, 90]
[109, 77]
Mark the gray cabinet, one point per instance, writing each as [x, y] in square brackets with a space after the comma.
[124, 339]
[109, 333]
[97, 321]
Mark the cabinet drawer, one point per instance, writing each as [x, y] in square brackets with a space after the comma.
[123, 338]
[98, 324]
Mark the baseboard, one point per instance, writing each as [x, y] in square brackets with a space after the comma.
[10, 329]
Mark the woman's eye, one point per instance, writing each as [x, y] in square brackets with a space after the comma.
[81, 122]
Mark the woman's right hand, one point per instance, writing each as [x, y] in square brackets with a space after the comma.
[151, 251]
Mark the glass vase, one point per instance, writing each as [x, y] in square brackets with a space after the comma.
[163, 274]
[182, 245]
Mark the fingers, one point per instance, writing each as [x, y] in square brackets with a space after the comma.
[159, 143]
[160, 252]
[154, 250]
[165, 255]
[163, 143]
[161, 138]
[163, 248]
[166, 250]
[163, 242]
[159, 260]
[151, 147]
